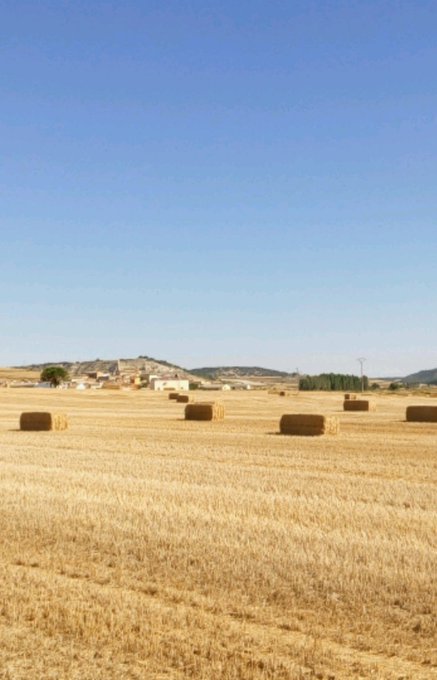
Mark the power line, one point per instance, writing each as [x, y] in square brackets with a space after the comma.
[361, 361]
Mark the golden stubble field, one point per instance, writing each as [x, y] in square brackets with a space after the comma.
[138, 545]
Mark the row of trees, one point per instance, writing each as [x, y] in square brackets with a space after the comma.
[333, 381]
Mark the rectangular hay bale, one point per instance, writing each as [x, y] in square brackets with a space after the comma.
[358, 405]
[350, 396]
[421, 414]
[43, 420]
[173, 395]
[183, 398]
[306, 424]
[205, 411]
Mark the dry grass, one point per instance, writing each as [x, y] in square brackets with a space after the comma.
[140, 545]
[18, 374]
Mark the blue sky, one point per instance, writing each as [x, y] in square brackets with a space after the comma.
[219, 182]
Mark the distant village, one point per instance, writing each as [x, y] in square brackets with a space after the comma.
[127, 375]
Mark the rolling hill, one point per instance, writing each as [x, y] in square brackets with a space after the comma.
[227, 372]
[141, 364]
[427, 377]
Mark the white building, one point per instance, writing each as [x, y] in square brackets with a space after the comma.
[161, 384]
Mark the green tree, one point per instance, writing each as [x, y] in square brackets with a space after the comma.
[55, 375]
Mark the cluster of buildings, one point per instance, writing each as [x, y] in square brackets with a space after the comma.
[132, 375]
[130, 380]
[96, 380]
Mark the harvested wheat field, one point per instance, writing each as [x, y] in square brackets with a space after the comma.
[137, 544]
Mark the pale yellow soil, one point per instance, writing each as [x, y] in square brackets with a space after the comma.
[18, 374]
[138, 545]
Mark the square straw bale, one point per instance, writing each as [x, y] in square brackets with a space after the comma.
[306, 424]
[183, 398]
[421, 414]
[358, 405]
[205, 411]
[42, 420]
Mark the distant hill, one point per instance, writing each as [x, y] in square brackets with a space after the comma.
[142, 364]
[146, 364]
[228, 372]
[428, 377]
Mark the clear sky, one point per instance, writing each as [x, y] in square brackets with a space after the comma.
[234, 182]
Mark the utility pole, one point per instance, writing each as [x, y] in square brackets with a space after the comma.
[361, 361]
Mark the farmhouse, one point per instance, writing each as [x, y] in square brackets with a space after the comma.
[160, 384]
